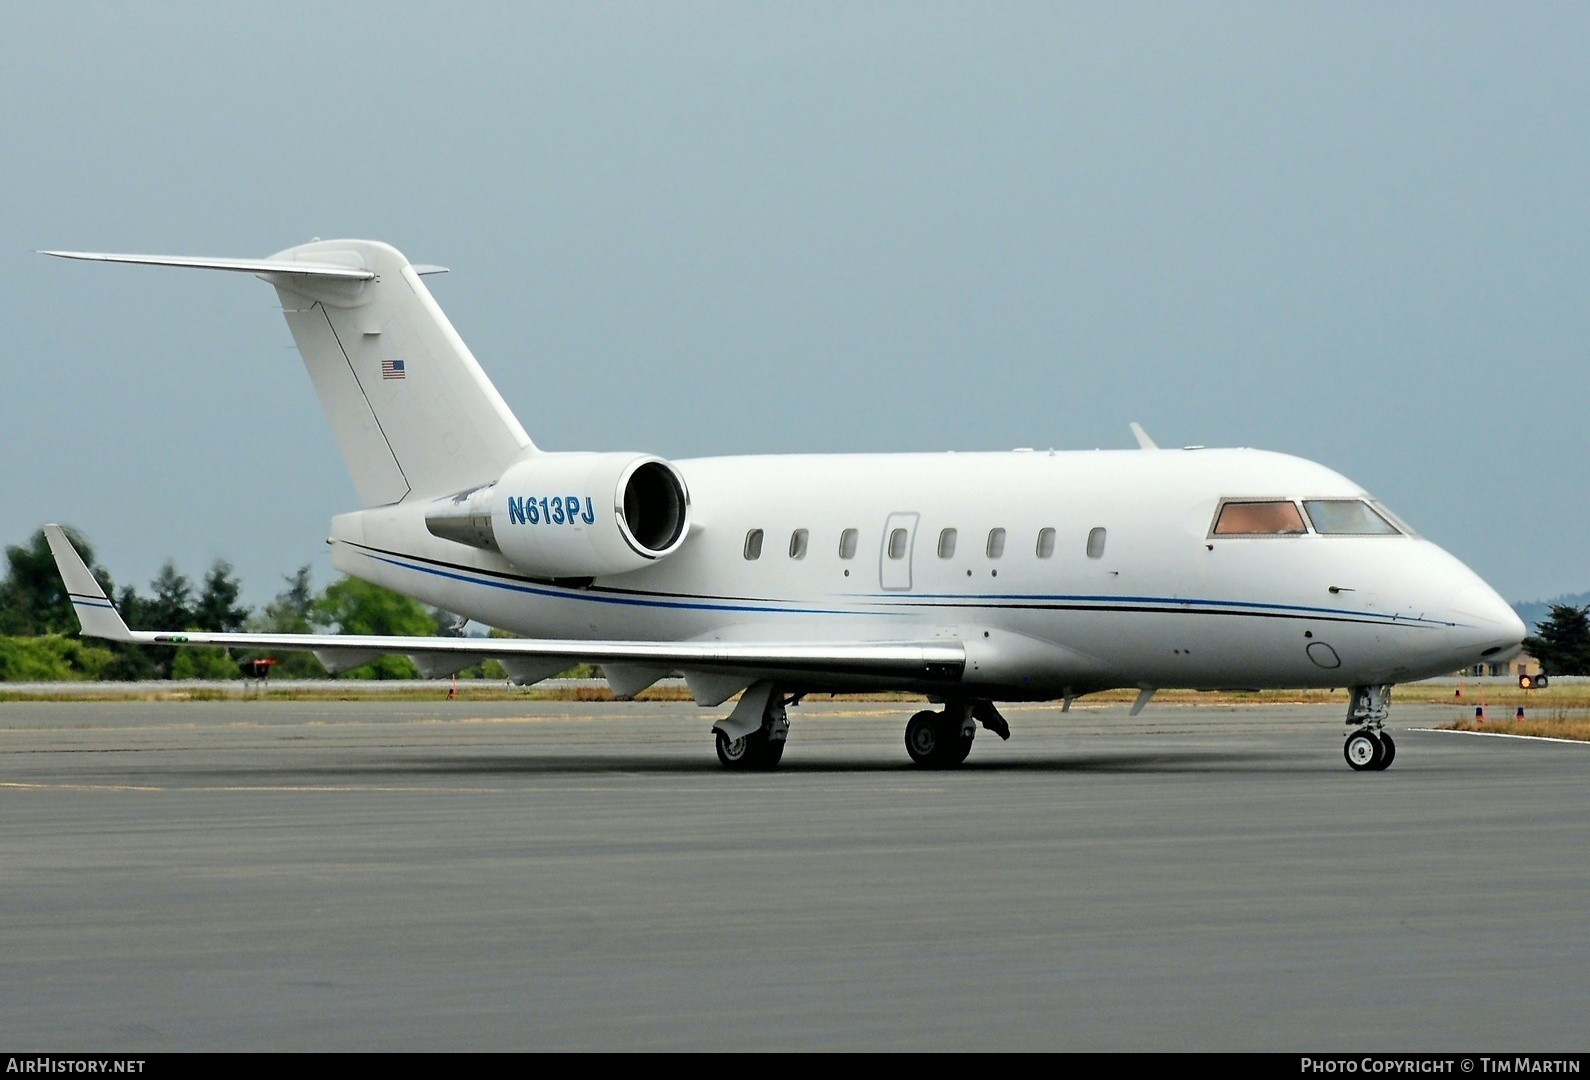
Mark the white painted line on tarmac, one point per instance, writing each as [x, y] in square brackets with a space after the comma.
[1502, 735]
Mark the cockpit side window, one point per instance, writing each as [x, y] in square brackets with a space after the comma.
[1346, 517]
[1269, 517]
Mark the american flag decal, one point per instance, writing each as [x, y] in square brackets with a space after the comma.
[391, 369]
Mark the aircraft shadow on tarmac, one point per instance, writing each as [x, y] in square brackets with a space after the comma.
[482, 765]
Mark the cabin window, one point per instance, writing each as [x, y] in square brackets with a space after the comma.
[753, 544]
[1045, 543]
[947, 544]
[897, 544]
[996, 543]
[1273, 517]
[1096, 544]
[847, 544]
[797, 543]
[1346, 517]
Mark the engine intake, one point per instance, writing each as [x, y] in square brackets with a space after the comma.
[572, 515]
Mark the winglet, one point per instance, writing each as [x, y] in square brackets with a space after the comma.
[95, 613]
[1143, 441]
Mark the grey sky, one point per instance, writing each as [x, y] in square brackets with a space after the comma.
[1351, 232]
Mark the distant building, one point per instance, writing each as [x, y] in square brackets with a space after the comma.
[1519, 666]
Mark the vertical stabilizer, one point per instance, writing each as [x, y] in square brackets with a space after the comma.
[412, 411]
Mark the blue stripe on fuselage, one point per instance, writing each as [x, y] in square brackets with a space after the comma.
[906, 604]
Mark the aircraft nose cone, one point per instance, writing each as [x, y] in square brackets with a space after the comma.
[1494, 617]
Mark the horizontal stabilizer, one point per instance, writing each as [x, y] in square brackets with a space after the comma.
[411, 410]
[244, 266]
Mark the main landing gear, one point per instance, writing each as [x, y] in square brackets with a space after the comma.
[941, 740]
[758, 750]
[753, 736]
[1368, 747]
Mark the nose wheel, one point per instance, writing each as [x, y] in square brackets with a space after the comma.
[1367, 750]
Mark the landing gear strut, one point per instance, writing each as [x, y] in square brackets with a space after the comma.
[1368, 748]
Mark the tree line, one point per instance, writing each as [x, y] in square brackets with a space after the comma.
[39, 631]
[1561, 641]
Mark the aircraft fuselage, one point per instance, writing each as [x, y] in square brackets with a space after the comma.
[1156, 598]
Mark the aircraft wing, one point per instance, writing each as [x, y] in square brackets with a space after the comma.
[716, 670]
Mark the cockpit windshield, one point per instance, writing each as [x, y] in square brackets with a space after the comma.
[1328, 517]
[1346, 517]
[1271, 517]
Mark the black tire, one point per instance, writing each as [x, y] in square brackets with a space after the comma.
[1541, 681]
[1362, 751]
[754, 751]
[772, 753]
[959, 746]
[924, 738]
[735, 753]
[934, 740]
[1388, 751]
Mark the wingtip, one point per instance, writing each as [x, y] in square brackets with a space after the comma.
[95, 613]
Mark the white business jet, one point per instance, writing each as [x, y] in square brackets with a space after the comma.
[968, 578]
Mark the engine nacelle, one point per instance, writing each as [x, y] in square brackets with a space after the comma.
[572, 515]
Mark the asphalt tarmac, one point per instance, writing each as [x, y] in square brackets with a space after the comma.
[389, 875]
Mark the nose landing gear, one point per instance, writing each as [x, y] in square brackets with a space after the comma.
[1368, 747]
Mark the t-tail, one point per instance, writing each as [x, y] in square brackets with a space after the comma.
[413, 413]
[444, 470]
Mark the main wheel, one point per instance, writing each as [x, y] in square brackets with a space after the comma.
[1362, 751]
[1541, 682]
[934, 740]
[924, 738]
[1388, 751]
[753, 751]
[772, 753]
[734, 753]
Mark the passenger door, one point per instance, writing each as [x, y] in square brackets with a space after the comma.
[894, 557]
